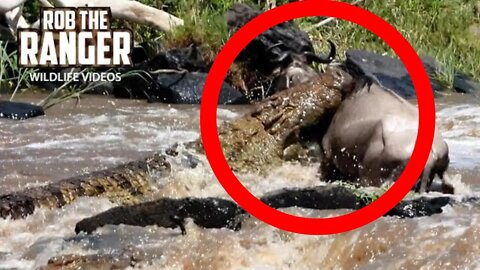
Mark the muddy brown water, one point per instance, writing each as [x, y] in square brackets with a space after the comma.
[100, 132]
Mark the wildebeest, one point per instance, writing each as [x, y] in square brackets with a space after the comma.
[372, 136]
[294, 68]
[284, 53]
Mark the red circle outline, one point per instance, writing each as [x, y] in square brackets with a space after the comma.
[211, 142]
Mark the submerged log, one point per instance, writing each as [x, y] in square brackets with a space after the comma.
[221, 213]
[124, 183]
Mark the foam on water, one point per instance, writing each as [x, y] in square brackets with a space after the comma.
[442, 239]
[30, 242]
[460, 126]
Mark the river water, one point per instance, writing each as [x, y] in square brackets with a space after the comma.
[98, 133]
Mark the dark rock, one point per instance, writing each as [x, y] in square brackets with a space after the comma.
[152, 48]
[389, 72]
[5, 32]
[139, 55]
[174, 88]
[19, 111]
[188, 58]
[136, 85]
[144, 52]
[188, 88]
[103, 88]
[176, 76]
[464, 84]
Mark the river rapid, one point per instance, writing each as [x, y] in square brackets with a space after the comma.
[99, 133]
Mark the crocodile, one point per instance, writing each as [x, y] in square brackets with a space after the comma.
[129, 257]
[223, 213]
[259, 139]
[124, 184]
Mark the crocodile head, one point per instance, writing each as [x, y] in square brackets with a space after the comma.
[158, 165]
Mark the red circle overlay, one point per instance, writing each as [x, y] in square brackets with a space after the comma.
[208, 116]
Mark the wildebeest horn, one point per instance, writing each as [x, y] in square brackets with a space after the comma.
[323, 59]
[281, 58]
[275, 45]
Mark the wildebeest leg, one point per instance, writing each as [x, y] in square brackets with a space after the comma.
[425, 179]
[327, 170]
[371, 169]
[445, 188]
[440, 169]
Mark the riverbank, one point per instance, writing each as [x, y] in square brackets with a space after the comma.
[446, 31]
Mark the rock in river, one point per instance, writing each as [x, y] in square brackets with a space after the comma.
[175, 87]
[187, 88]
[19, 111]
[464, 84]
[389, 72]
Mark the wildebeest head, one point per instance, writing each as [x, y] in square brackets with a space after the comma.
[295, 68]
